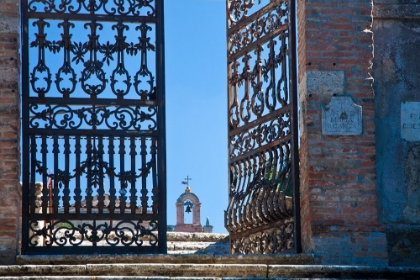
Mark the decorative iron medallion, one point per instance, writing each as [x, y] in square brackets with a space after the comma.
[93, 127]
[263, 212]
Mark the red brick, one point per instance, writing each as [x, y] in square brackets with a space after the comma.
[9, 129]
[341, 178]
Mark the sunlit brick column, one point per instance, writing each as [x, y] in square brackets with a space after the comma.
[9, 131]
[338, 177]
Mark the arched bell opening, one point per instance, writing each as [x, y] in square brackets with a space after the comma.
[188, 212]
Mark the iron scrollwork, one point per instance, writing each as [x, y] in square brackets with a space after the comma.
[64, 232]
[41, 67]
[238, 9]
[93, 128]
[93, 59]
[112, 7]
[243, 142]
[262, 137]
[260, 87]
[66, 69]
[272, 241]
[70, 117]
[268, 24]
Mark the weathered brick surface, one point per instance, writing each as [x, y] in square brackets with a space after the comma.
[9, 131]
[338, 173]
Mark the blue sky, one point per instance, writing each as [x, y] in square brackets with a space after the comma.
[196, 108]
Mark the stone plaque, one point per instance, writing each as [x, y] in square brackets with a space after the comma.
[410, 121]
[342, 117]
[324, 82]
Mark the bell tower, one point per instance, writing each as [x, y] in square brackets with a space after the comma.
[188, 204]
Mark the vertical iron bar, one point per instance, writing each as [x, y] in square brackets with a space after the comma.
[26, 172]
[155, 189]
[111, 205]
[160, 73]
[111, 179]
[77, 190]
[45, 194]
[94, 234]
[228, 220]
[55, 182]
[122, 181]
[67, 152]
[88, 164]
[30, 188]
[101, 190]
[294, 124]
[133, 202]
[143, 192]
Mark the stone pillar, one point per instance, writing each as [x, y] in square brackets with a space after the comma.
[337, 152]
[396, 71]
[9, 131]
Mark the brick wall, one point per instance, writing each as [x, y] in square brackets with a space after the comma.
[338, 174]
[9, 130]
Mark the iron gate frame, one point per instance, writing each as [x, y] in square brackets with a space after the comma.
[255, 225]
[156, 136]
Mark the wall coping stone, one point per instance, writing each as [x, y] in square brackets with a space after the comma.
[296, 259]
[197, 236]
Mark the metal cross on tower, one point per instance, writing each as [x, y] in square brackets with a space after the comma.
[186, 182]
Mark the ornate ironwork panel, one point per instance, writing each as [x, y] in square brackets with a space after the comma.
[263, 212]
[93, 161]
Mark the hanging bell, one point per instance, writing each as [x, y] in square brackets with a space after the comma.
[188, 210]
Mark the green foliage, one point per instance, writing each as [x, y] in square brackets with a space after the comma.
[279, 180]
[64, 225]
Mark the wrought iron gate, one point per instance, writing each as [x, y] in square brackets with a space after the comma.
[93, 161]
[263, 212]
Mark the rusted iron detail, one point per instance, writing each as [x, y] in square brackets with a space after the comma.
[262, 215]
